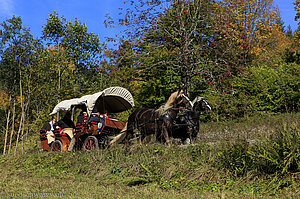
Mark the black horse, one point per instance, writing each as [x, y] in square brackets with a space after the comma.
[187, 125]
[157, 121]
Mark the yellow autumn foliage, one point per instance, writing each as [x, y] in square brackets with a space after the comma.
[4, 98]
[251, 24]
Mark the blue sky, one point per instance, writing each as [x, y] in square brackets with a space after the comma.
[91, 12]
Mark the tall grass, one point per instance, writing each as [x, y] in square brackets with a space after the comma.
[277, 154]
[269, 166]
[280, 153]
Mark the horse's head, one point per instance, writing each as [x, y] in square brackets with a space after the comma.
[178, 99]
[182, 100]
[201, 105]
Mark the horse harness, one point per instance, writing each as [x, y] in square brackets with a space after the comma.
[165, 116]
[168, 117]
[189, 120]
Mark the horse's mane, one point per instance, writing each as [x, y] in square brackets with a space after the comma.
[169, 104]
[171, 100]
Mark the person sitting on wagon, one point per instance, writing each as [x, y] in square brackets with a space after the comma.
[97, 118]
[48, 127]
[66, 124]
[81, 118]
[102, 118]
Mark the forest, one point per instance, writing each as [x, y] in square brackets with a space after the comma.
[238, 54]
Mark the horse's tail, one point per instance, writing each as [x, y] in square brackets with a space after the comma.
[119, 138]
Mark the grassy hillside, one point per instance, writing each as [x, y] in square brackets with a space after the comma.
[248, 164]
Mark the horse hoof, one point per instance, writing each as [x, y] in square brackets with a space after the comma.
[187, 141]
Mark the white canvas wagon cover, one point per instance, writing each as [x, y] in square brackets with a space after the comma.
[110, 100]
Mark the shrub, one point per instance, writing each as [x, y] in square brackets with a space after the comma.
[278, 154]
[263, 89]
[270, 89]
[233, 157]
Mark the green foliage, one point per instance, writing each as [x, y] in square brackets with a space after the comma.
[37, 78]
[83, 50]
[205, 46]
[262, 89]
[157, 86]
[18, 50]
[273, 89]
[234, 157]
[279, 154]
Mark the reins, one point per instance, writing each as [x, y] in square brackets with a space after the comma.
[179, 108]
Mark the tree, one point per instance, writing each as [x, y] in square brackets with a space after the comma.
[54, 77]
[18, 50]
[256, 22]
[292, 53]
[201, 46]
[168, 41]
[297, 8]
[289, 32]
[182, 44]
[82, 49]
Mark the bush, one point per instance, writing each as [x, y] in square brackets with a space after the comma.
[233, 157]
[263, 89]
[272, 89]
[278, 154]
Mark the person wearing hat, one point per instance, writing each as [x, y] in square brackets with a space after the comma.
[49, 128]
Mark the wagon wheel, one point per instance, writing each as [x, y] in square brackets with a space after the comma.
[56, 146]
[90, 143]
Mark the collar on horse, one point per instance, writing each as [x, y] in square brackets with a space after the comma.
[168, 117]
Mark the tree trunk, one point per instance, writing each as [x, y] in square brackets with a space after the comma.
[186, 78]
[59, 83]
[18, 135]
[22, 115]
[27, 132]
[22, 133]
[25, 138]
[24, 119]
[12, 126]
[7, 126]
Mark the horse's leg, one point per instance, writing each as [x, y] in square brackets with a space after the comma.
[189, 135]
[165, 133]
[184, 135]
[195, 132]
[157, 130]
[126, 139]
[129, 132]
[143, 135]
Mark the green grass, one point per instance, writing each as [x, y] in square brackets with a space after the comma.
[246, 128]
[158, 173]
[232, 169]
